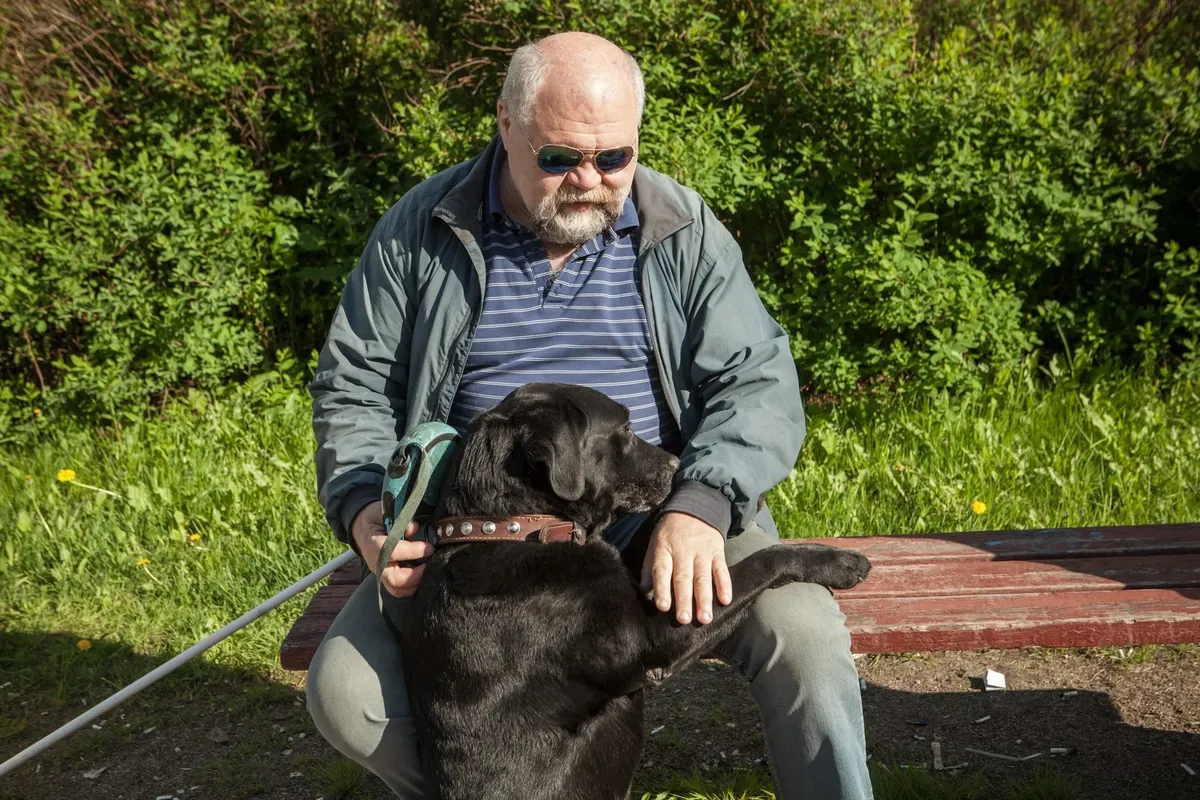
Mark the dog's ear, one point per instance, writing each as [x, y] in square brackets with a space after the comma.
[556, 445]
[477, 465]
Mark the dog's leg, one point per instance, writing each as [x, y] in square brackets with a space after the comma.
[672, 646]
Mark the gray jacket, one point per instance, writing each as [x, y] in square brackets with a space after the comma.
[400, 337]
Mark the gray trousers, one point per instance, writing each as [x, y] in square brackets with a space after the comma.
[794, 649]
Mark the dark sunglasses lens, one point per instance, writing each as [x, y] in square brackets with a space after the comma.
[613, 160]
[556, 160]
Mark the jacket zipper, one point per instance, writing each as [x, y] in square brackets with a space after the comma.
[468, 323]
[668, 385]
[450, 367]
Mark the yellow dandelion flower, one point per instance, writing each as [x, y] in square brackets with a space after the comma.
[28, 477]
[195, 537]
[84, 644]
[979, 506]
[66, 475]
[899, 468]
[37, 412]
[143, 562]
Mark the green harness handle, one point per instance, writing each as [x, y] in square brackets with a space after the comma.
[414, 478]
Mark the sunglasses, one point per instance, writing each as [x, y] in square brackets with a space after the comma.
[558, 159]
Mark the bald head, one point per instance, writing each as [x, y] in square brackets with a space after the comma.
[573, 69]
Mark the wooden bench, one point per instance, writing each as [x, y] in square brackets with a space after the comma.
[1065, 587]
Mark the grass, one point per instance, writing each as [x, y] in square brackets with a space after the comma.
[210, 509]
[1117, 452]
[340, 777]
[216, 513]
[889, 783]
[215, 506]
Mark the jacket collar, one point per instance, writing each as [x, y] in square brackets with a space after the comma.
[660, 213]
[462, 206]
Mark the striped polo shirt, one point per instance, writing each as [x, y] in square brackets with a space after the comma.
[586, 326]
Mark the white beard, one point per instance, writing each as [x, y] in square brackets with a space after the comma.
[576, 227]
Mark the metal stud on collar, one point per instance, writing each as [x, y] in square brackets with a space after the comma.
[489, 527]
[465, 528]
[514, 527]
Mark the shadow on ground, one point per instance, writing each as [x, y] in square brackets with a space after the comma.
[210, 731]
[203, 731]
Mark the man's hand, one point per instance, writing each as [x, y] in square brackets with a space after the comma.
[688, 557]
[369, 533]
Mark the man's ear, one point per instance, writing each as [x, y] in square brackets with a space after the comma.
[556, 445]
[503, 122]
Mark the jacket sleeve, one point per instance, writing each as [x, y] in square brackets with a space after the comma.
[751, 424]
[360, 388]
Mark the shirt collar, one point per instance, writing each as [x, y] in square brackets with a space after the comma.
[492, 207]
[628, 221]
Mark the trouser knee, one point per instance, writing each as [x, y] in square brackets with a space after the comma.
[798, 628]
[338, 711]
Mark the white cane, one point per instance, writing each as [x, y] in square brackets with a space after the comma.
[187, 655]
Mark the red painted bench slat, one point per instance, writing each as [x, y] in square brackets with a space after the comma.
[1027, 545]
[349, 575]
[1070, 619]
[309, 629]
[1072, 587]
[968, 578]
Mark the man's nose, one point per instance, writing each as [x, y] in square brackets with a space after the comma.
[586, 176]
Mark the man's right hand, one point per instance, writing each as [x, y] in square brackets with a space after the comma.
[369, 533]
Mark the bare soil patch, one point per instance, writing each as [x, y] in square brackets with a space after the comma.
[1134, 720]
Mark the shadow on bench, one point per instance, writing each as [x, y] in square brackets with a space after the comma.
[1062, 587]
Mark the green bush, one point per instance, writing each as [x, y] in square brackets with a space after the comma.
[153, 265]
[925, 191]
[135, 251]
[959, 204]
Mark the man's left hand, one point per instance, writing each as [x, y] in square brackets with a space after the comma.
[685, 559]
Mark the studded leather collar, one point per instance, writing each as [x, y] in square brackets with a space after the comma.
[535, 528]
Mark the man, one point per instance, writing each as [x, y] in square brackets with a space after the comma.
[554, 256]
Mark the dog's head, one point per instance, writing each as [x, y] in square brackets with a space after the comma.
[553, 448]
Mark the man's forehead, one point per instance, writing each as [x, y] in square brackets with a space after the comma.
[561, 124]
[608, 109]
[558, 127]
[586, 99]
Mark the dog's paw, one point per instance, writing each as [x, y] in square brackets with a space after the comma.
[847, 570]
[656, 675]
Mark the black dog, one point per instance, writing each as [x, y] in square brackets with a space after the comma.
[526, 662]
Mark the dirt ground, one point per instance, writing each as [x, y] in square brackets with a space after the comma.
[1134, 720]
[1133, 723]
